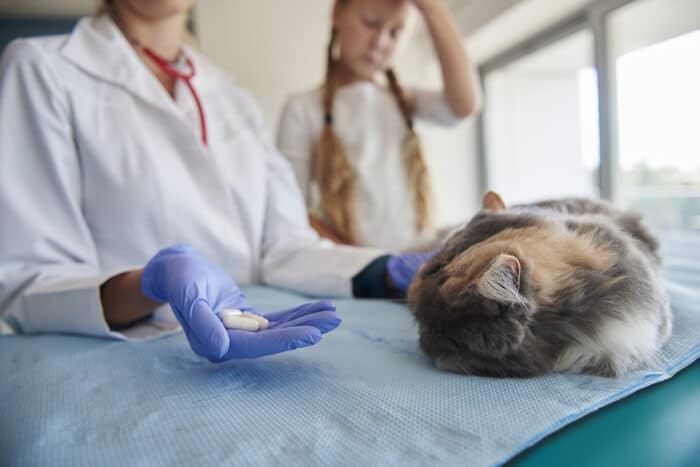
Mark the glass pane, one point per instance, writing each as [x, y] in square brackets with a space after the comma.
[541, 122]
[657, 85]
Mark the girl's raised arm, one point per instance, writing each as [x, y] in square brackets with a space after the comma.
[460, 82]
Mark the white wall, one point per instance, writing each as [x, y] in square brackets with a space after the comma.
[271, 47]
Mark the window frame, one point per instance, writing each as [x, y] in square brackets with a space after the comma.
[591, 17]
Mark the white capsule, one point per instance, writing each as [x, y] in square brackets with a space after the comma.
[262, 322]
[232, 312]
[236, 321]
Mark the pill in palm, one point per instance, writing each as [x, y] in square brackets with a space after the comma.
[262, 322]
[234, 319]
[231, 312]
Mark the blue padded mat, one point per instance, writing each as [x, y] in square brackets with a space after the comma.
[364, 395]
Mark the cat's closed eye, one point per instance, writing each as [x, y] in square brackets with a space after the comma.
[491, 308]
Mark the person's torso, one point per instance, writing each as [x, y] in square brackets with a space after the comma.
[147, 179]
[373, 132]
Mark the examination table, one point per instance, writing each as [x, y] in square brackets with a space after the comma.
[365, 395]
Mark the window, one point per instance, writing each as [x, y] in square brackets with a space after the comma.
[541, 123]
[654, 55]
[548, 130]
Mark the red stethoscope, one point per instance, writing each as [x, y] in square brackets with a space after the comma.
[186, 77]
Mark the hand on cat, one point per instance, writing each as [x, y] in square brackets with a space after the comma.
[197, 290]
[402, 269]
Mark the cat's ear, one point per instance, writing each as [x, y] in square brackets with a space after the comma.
[501, 280]
[493, 202]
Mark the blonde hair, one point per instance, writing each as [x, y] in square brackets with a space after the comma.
[335, 176]
[103, 6]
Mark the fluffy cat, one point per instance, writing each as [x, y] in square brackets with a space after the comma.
[567, 285]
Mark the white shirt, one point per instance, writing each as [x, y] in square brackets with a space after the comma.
[100, 168]
[372, 130]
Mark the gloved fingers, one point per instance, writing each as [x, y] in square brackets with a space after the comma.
[175, 249]
[402, 267]
[324, 321]
[205, 331]
[179, 248]
[305, 309]
[246, 344]
[400, 272]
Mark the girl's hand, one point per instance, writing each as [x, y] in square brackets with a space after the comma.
[459, 77]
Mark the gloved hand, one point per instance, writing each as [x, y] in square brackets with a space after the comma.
[198, 289]
[403, 268]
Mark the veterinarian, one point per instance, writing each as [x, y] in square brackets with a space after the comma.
[135, 174]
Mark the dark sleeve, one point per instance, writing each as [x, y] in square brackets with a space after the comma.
[371, 282]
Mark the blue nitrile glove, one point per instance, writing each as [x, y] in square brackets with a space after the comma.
[403, 268]
[198, 289]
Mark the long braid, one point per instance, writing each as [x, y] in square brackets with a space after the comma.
[418, 176]
[331, 169]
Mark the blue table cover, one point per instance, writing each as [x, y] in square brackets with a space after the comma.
[365, 395]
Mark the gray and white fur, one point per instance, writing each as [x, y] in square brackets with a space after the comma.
[567, 285]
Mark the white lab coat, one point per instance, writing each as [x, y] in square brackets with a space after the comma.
[100, 168]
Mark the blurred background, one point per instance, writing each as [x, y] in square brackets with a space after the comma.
[582, 97]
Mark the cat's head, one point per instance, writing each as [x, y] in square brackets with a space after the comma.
[473, 301]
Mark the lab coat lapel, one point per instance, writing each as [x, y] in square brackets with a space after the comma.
[98, 47]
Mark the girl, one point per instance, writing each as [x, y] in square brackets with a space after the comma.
[352, 141]
[118, 140]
